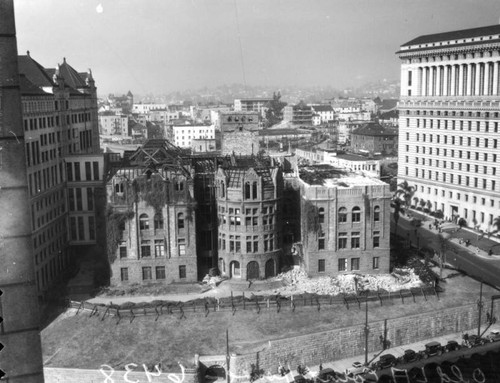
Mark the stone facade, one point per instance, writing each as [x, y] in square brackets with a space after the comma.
[448, 122]
[249, 206]
[345, 225]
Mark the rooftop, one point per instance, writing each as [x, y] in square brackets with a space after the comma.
[374, 129]
[329, 176]
[455, 35]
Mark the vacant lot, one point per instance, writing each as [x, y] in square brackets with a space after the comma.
[81, 341]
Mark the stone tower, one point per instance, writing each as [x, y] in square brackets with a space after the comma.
[21, 359]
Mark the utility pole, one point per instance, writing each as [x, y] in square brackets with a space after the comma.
[367, 331]
[480, 308]
[228, 374]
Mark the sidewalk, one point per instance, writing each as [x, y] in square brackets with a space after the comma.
[343, 364]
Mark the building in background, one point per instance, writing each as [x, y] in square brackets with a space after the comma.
[258, 105]
[374, 139]
[239, 133]
[185, 134]
[449, 114]
[299, 114]
[113, 125]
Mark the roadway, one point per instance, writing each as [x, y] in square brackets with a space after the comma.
[478, 265]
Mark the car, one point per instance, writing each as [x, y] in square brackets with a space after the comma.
[416, 222]
[385, 361]
[357, 369]
[409, 356]
[432, 349]
[473, 341]
[493, 336]
[452, 345]
[326, 375]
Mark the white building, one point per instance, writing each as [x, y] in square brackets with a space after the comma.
[145, 108]
[111, 124]
[184, 134]
[449, 117]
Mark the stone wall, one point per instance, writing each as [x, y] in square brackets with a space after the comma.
[342, 343]
[242, 142]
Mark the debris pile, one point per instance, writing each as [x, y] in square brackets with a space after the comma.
[211, 281]
[298, 282]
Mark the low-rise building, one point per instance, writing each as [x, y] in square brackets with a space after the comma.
[185, 134]
[112, 124]
[374, 139]
[299, 114]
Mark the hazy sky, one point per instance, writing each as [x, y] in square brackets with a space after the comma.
[160, 46]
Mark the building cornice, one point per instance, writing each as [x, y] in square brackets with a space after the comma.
[471, 47]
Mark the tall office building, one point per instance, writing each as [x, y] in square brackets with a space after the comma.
[21, 359]
[449, 117]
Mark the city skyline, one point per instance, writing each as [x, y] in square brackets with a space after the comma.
[178, 45]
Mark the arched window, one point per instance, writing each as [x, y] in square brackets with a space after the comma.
[254, 190]
[143, 222]
[179, 186]
[356, 214]
[321, 215]
[247, 190]
[376, 213]
[342, 215]
[222, 189]
[158, 221]
[180, 221]
[119, 187]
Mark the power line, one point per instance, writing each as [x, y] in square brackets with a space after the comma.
[241, 48]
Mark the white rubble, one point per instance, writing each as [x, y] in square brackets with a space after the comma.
[298, 282]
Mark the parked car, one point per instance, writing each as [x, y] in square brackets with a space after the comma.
[473, 341]
[452, 345]
[409, 356]
[432, 349]
[326, 375]
[385, 361]
[416, 222]
[493, 336]
[357, 369]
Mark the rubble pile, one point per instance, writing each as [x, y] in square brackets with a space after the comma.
[298, 282]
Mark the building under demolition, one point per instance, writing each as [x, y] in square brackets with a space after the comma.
[172, 217]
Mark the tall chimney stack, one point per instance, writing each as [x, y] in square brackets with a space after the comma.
[21, 358]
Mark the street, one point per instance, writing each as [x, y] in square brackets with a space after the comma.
[485, 268]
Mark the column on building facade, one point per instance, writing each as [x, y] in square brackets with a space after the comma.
[461, 76]
[495, 78]
[438, 81]
[447, 80]
[419, 81]
[468, 82]
[477, 79]
[486, 82]
[453, 82]
[424, 81]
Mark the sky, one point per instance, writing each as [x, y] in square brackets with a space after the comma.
[162, 46]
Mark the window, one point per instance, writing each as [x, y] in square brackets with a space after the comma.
[354, 263]
[143, 222]
[356, 214]
[158, 221]
[182, 271]
[146, 273]
[159, 248]
[180, 221]
[355, 240]
[376, 213]
[375, 263]
[342, 264]
[124, 274]
[342, 215]
[160, 272]
[342, 240]
[321, 265]
[321, 215]
[376, 239]
[181, 244]
[123, 252]
[145, 249]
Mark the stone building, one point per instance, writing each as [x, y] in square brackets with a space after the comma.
[248, 206]
[345, 222]
[374, 139]
[151, 231]
[239, 133]
[449, 114]
[61, 128]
